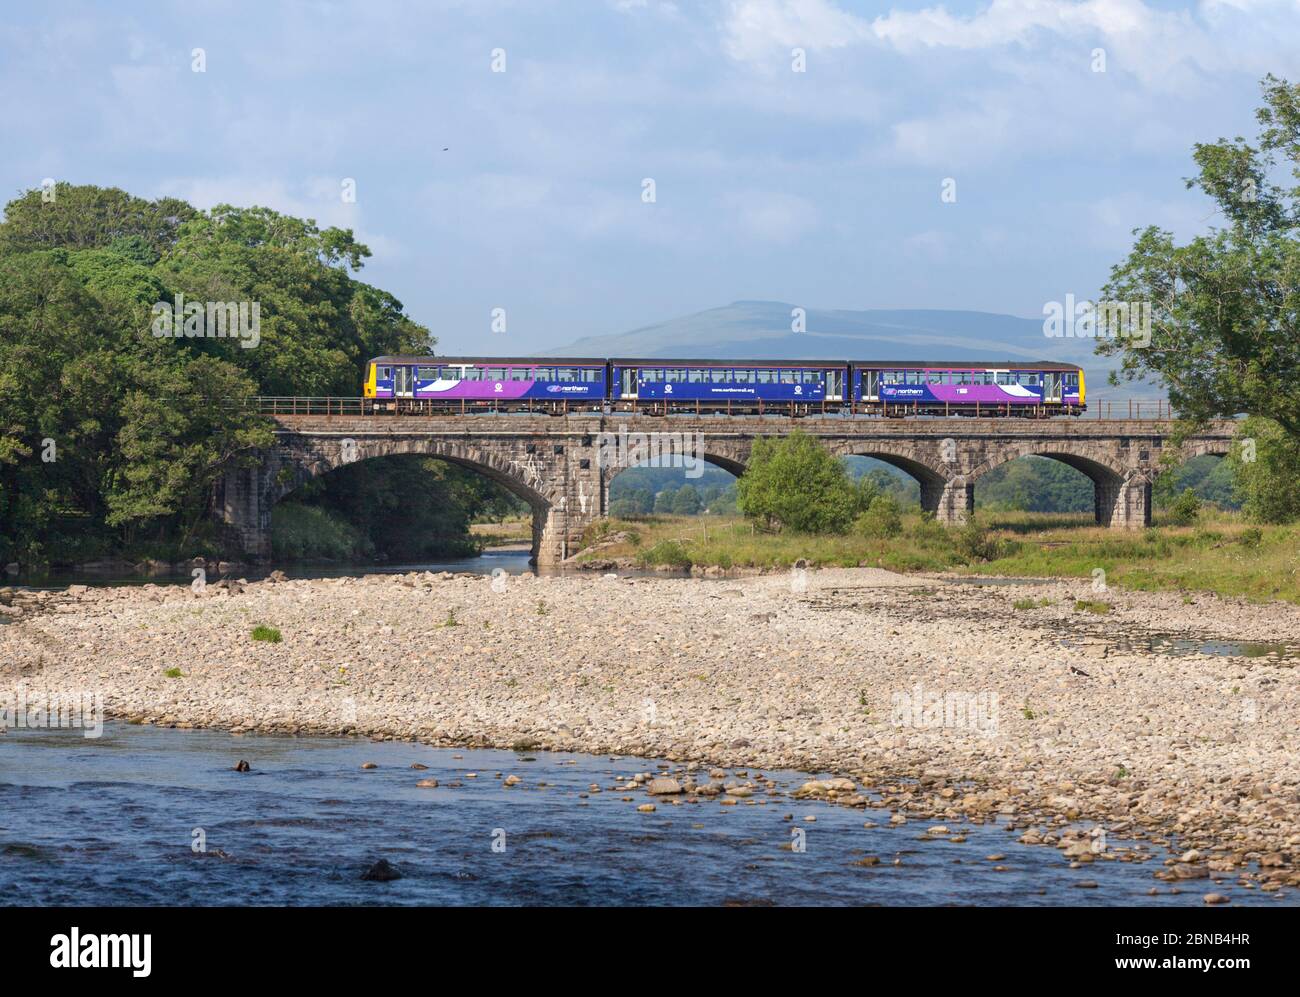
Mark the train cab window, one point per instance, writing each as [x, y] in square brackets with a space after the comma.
[385, 373]
[496, 374]
[719, 376]
[746, 377]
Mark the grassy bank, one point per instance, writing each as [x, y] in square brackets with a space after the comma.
[1221, 554]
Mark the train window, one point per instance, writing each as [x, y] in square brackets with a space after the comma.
[765, 376]
[785, 376]
[1027, 377]
[520, 374]
[812, 376]
[496, 374]
[695, 375]
[890, 377]
[651, 376]
[675, 375]
[427, 373]
[591, 374]
[472, 373]
[746, 377]
[720, 376]
[934, 377]
[564, 374]
[543, 374]
[1004, 377]
[961, 377]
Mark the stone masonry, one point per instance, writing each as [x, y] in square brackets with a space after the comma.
[554, 463]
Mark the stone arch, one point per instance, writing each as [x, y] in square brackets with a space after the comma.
[732, 464]
[945, 495]
[1121, 494]
[298, 461]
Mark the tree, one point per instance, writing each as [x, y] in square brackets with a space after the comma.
[687, 501]
[1225, 307]
[1266, 471]
[793, 483]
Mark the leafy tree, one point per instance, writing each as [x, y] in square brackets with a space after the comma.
[793, 483]
[686, 502]
[1266, 473]
[1226, 306]
[882, 519]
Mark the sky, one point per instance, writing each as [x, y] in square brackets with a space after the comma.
[591, 166]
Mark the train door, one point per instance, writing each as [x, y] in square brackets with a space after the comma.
[627, 387]
[1052, 386]
[835, 385]
[871, 385]
[403, 382]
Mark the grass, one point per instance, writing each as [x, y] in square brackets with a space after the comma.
[1221, 554]
[269, 634]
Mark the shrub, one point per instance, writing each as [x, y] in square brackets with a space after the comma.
[1251, 537]
[666, 552]
[794, 483]
[1185, 508]
[269, 634]
[881, 520]
[973, 542]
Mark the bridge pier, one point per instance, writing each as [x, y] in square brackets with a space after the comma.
[240, 511]
[950, 501]
[1124, 503]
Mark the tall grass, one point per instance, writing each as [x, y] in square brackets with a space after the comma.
[1221, 554]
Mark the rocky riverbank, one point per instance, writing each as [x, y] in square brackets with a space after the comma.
[932, 701]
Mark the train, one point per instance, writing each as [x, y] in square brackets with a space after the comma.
[659, 386]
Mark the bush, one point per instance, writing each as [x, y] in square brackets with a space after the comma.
[794, 483]
[268, 634]
[311, 533]
[1266, 472]
[1185, 508]
[973, 542]
[1251, 537]
[929, 532]
[666, 552]
[881, 520]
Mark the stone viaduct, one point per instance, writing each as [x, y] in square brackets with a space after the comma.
[558, 464]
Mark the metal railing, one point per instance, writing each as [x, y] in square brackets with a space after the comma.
[1105, 409]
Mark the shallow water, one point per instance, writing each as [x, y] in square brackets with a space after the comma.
[112, 821]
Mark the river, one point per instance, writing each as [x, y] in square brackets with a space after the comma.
[115, 820]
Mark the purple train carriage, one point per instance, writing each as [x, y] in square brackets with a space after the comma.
[731, 387]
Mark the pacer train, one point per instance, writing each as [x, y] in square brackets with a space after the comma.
[735, 387]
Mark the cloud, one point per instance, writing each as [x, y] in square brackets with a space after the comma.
[756, 29]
